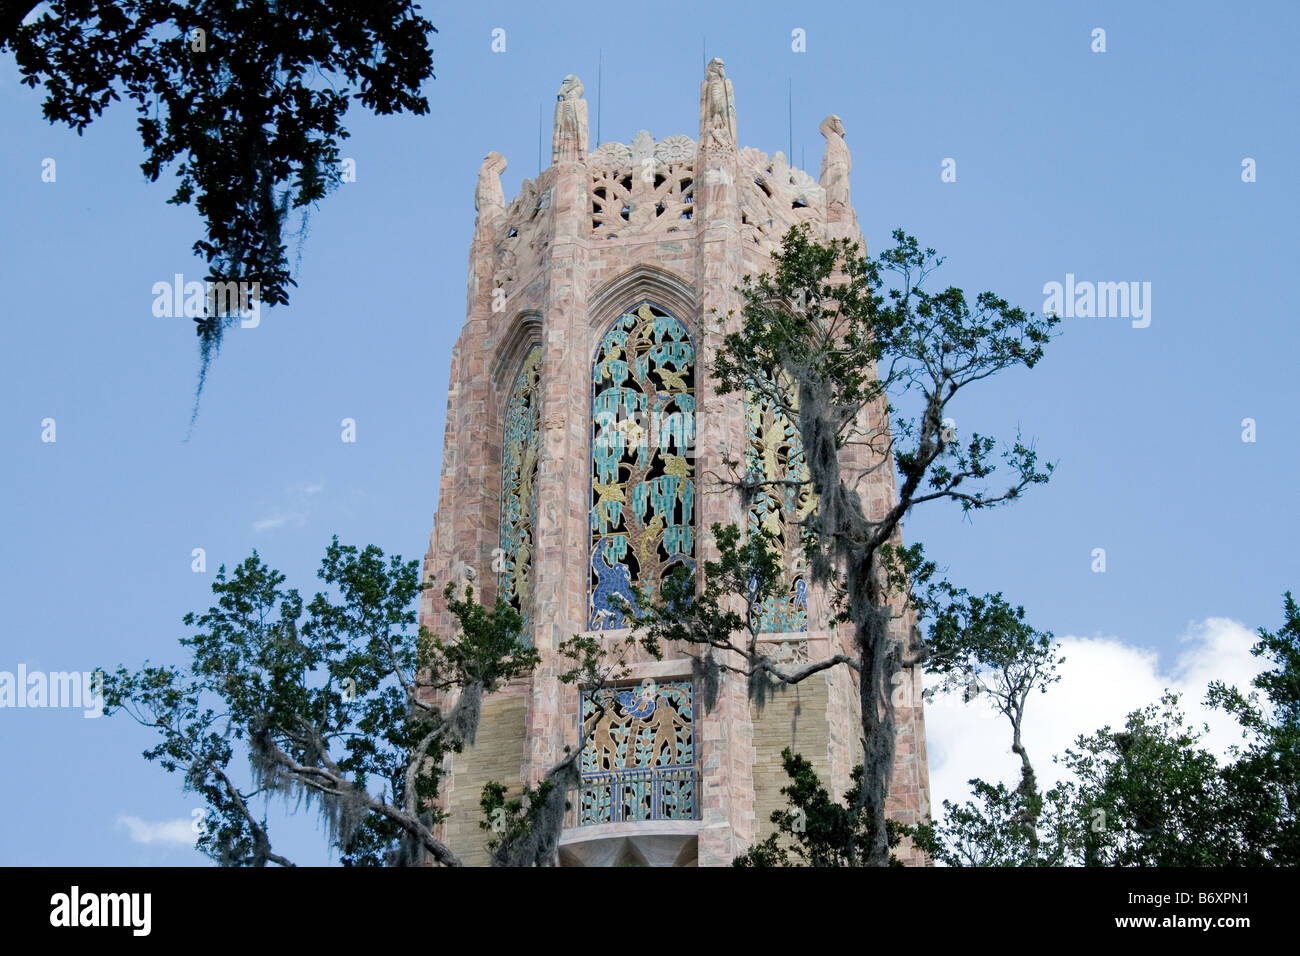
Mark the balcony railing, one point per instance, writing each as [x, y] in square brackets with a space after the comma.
[624, 796]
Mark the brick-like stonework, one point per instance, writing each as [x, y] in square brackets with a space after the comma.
[497, 755]
[796, 718]
[678, 222]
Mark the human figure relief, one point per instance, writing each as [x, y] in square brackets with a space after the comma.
[602, 741]
[665, 722]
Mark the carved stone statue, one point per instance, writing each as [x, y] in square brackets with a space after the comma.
[717, 107]
[835, 161]
[569, 141]
[489, 199]
[462, 576]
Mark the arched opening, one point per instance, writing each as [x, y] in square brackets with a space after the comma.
[519, 455]
[642, 458]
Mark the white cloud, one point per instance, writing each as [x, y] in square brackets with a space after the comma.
[296, 509]
[178, 832]
[277, 521]
[1102, 681]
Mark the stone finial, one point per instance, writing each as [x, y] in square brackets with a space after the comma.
[717, 107]
[643, 148]
[643, 169]
[489, 199]
[569, 141]
[836, 162]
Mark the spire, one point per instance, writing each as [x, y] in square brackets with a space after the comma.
[570, 139]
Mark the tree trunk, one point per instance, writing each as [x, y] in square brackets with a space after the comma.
[871, 615]
[1028, 790]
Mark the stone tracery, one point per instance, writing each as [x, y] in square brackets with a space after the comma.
[645, 188]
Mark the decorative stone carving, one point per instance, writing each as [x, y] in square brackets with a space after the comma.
[717, 107]
[520, 234]
[610, 156]
[804, 188]
[675, 150]
[569, 140]
[525, 217]
[523, 205]
[646, 188]
[774, 196]
[836, 162]
[461, 575]
[507, 264]
[644, 176]
[611, 201]
[489, 199]
[780, 168]
[786, 653]
[643, 148]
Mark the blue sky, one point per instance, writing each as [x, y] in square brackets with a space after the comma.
[1115, 166]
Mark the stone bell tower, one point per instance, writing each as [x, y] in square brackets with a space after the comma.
[582, 431]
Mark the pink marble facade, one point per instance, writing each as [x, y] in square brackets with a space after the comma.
[557, 280]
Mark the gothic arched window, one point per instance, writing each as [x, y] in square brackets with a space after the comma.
[519, 489]
[642, 458]
[774, 452]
